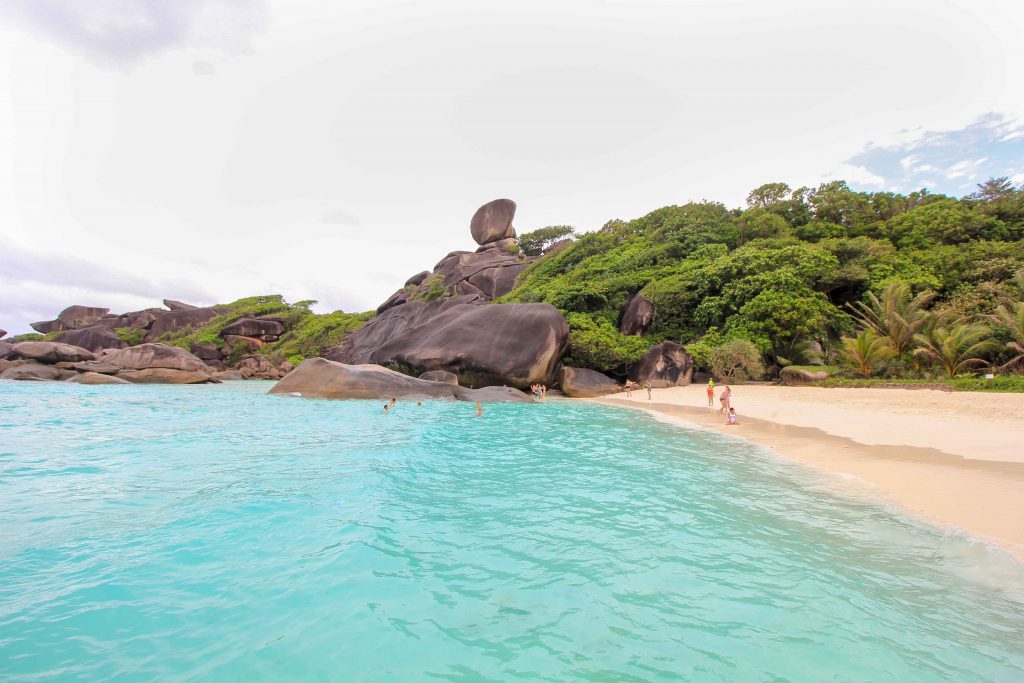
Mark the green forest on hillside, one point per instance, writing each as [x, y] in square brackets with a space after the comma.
[879, 283]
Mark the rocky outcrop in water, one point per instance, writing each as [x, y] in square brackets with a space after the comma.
[442, 319]
[585, 383]
[145, 364]
[321, 378]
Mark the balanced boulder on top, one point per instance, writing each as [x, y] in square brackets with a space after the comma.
[493, 221]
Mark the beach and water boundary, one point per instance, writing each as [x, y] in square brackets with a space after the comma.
[952, 459]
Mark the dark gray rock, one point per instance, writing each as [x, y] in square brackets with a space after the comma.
[146, 356]
[6, 349]
[440, 376]
[95, 338]
[585, 383]
[52, 352]
[178, 305]
[664, 365]
[3, 333]
[6, 364]
[77, 317]
[96, 378]
[206, 352]
[513, 344]
[415, 280]
[135, 319]
[637, 316]
[47, 326]
[493, 221]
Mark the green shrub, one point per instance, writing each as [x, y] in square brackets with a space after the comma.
[131, 336]
[596, 344]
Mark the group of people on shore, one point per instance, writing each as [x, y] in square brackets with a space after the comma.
[725, 399]
[538, 391]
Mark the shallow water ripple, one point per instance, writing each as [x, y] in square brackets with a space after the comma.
[215, 533]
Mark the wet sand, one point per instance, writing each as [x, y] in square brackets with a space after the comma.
[956, 459]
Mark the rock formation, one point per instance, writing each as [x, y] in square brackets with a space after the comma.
[803, 376]
[178, 305]
[585, 383]
[637, 316]
[492, 222]
[148, 356]
[321, 378]
[52, 352]
[664, 365]
[95, 338]
[35, 371]
[71, 318]
[3, 333]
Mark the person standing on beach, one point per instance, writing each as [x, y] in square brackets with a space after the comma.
[725, 398]
[647, 386]
[628, 386]
[711, 392]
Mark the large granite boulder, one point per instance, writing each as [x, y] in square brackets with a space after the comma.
[170, 321]
[253, 327]
[166, 376]
[637, 316]
[441, 376]
[146, 356]
[94, 338]
[6, 349]
[71, 318]
[585, 383]
[96, 378]
[3, 333]
[796, 376]
[207, 352]
[493, 221]
[513, 344]
[664, 365]
[178, 305]
[228, 376]
[35, 371]
[52, 352]
[321, 378]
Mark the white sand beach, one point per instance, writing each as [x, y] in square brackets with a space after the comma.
[955, 459]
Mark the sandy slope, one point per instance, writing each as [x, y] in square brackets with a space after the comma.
[953, 458]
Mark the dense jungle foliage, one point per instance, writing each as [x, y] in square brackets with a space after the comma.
[307, 334]
[881, 283]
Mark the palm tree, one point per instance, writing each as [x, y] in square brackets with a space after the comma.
[1013, 320]
[895, 316]
[866, 351]
[955, 345]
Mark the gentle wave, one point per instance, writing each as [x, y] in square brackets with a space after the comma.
[184, 533]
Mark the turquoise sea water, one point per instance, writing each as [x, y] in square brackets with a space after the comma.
[215, 533]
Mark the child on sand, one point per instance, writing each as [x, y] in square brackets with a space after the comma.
[647, 386]
[711, 392]
[732, 417]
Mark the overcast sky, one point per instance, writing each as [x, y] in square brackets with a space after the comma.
[205, 150]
